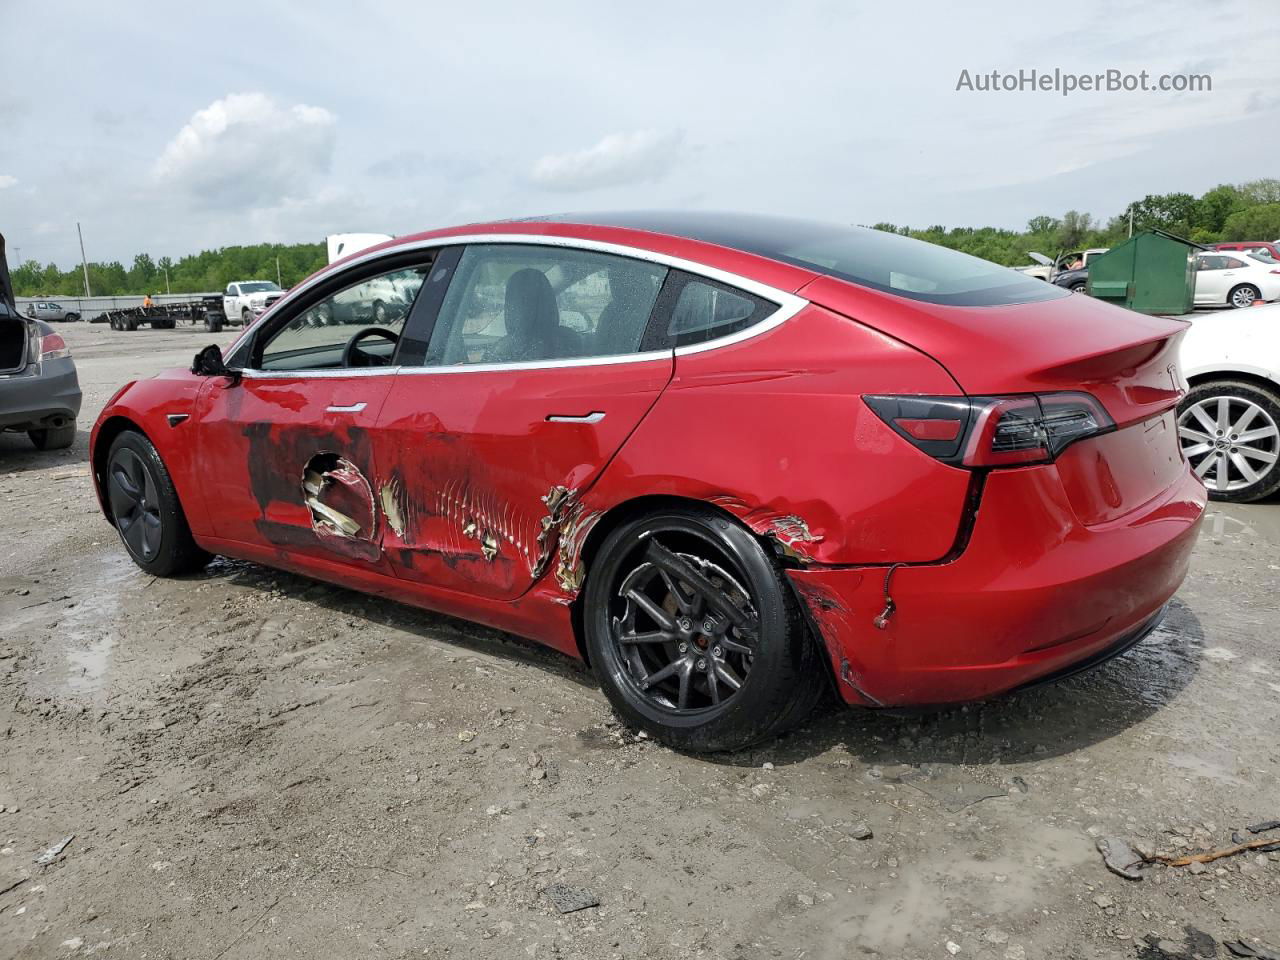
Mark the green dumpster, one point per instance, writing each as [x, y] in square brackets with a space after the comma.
[1151, 272]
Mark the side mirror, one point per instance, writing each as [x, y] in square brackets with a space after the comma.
[209, 363]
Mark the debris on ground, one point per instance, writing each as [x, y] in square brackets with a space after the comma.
[53, 852]
[1124, 860]
[567, 899]
[860, 831]
[1265, 844]
[1239, 948]
[1264, 826]
[1121, 859]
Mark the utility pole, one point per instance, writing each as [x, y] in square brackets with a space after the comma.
[83, 262]
[166, 280]
[1131, 220]
[278, 283]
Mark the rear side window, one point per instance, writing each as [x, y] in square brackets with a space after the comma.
[698, 310]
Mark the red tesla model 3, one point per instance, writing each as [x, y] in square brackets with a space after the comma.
[729, 460]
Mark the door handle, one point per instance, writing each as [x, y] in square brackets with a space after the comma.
[353, 408]
[594, 417]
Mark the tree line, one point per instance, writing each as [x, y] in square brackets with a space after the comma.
[1246, 211]
[207, 270]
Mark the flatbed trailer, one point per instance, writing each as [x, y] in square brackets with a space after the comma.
[165, 316]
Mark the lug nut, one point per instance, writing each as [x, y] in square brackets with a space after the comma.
[708, 626]
[684, 623]
[684, 648]
[717, 652]
[702, 664]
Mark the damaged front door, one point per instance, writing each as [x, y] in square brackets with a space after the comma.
[295, 432]
[533, 377]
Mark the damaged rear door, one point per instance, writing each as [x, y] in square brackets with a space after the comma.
[287, 450]
[531, 377]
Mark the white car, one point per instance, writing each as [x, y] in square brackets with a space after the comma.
[1229, 422]
[246, 300]
[1234, 279]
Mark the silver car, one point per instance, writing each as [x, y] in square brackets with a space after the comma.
[51, 312]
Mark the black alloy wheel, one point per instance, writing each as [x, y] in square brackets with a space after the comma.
[145, 508]
[695, 634]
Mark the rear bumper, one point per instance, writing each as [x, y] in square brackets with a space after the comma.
[1037, 593]
[29, 401]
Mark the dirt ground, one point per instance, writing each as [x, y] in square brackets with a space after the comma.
[251, 764]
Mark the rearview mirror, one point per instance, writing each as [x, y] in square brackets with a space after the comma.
[209, 363]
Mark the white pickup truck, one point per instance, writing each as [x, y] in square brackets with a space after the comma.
[245, 300]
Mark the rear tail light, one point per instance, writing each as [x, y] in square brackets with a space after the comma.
[53, 347]
[993, 431]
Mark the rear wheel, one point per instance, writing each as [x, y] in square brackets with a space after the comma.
[1230, 434]
[695, 635]
[53, 438]
[1080, 286]
[213, 322]
[1244, 295]
[146, 511]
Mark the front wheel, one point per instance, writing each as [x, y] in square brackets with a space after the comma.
[245, 316]
[1244, 295]
[695, 635]
[146, 511]
[1230, 434]
[1080, 287]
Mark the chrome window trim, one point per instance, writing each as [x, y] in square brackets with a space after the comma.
[788, 306]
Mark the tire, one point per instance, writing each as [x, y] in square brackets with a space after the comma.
[115, 325]
[129, 323]
[53, 438]
[379, 313]
[146, 511]
[213, 323]
[1080, 287]
[692, 705]
[245, 316]
[1240, 470]
[71, 317]
[1245, 295]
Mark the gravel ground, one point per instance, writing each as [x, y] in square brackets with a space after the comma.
[251, 764]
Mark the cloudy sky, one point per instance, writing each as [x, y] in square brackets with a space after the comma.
[173, 127]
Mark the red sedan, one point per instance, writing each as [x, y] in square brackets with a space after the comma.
[729, 460]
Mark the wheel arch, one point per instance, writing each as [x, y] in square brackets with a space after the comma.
[638, 506]
[1236, 376]
[104, 436]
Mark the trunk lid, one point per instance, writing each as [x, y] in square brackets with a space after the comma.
[1126, 360]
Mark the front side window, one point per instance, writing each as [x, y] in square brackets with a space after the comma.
[358, 326]
[511, 303]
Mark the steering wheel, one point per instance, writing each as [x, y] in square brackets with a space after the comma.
[353, 357]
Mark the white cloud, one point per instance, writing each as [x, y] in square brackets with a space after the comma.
[7, 181]
[246, 150]
[619, 159]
